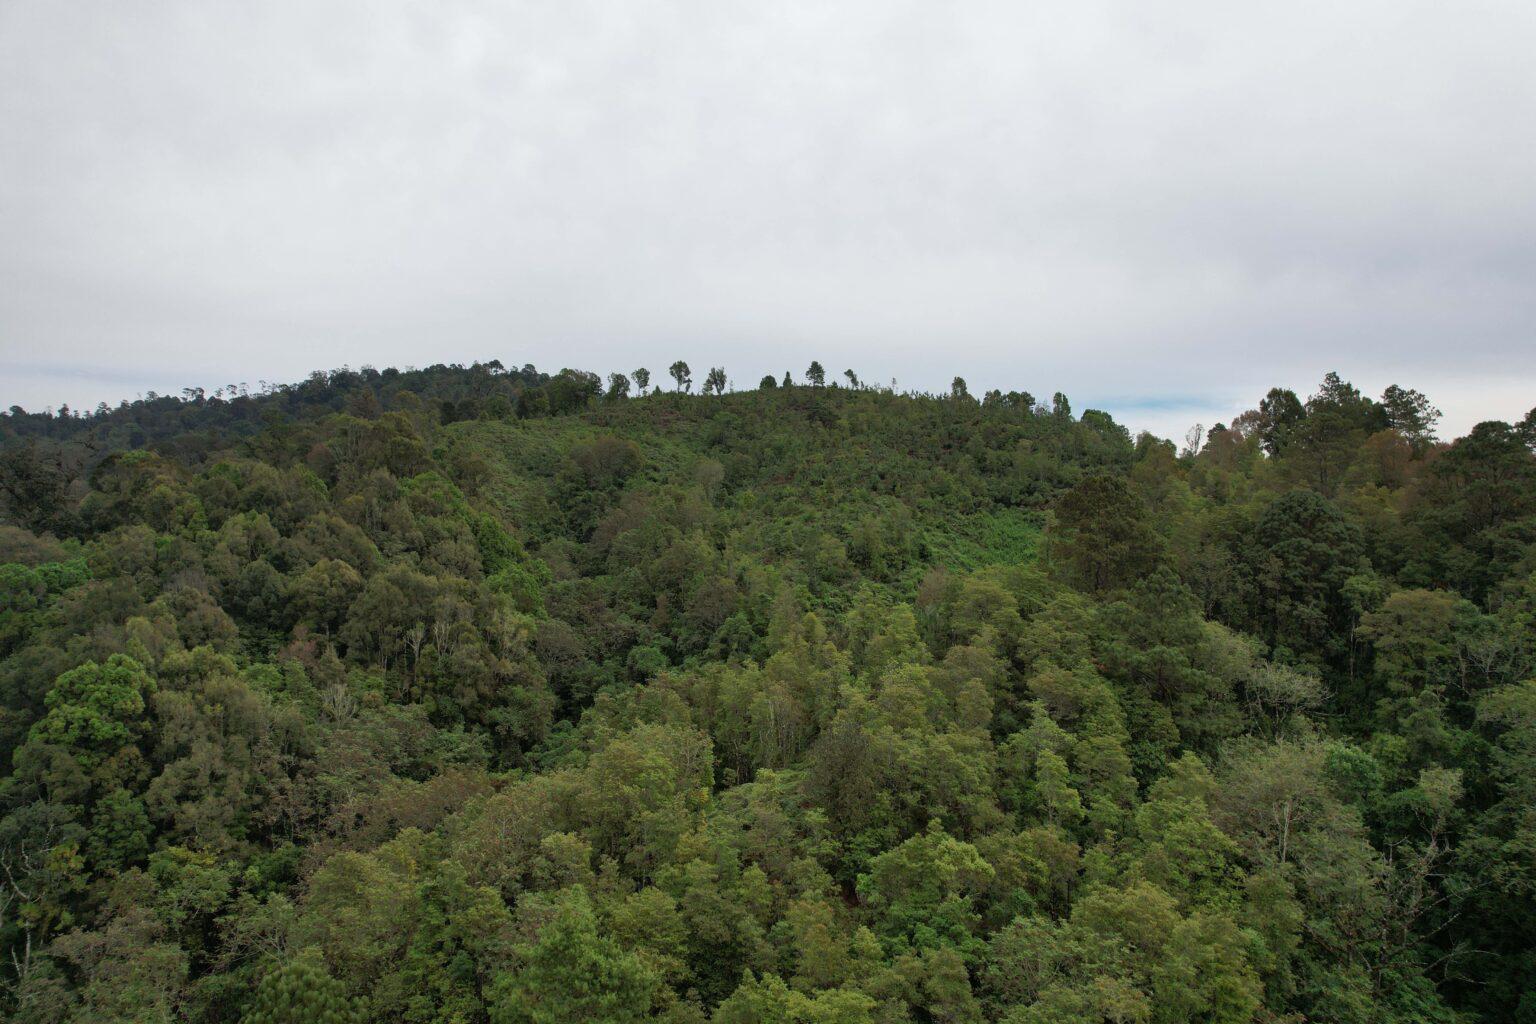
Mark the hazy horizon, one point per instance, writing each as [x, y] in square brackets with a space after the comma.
[1165, 416]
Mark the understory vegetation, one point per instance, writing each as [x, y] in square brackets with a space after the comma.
[471, 695]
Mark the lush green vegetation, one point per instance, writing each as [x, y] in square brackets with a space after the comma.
[466, 695]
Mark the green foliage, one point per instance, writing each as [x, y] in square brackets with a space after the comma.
[1101, 535]
[95, 709]
[922, 891]
[571, 974]
[302, 991]
[476, 694]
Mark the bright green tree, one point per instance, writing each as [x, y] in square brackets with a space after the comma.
[570, 974]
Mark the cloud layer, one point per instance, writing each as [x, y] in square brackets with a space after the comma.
[1159, 209]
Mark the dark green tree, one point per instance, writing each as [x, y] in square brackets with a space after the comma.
[1302, 553]
[302, 991]
[681, 375]
[1410, 414]
[1101, 537]
[1279, 412]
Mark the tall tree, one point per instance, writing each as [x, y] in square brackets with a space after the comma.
[1410, 414]
[1279, 412]
[1101, 537]
[681, 375]
[1302, 553]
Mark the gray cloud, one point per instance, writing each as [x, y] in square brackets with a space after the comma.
[1163, 210]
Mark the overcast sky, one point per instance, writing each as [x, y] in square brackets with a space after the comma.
[1161, 209]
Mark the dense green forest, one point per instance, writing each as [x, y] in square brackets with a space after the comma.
[470, 694]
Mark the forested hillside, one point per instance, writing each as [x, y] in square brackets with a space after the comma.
[467, 695]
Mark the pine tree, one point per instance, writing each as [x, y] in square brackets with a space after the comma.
[302, 991]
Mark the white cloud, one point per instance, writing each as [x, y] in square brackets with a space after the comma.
[1137, 205]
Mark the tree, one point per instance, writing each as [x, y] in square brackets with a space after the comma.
[321, 595]
[34, 484]
[1302, 553]
[642, 380]
[1410, 414]
[571, 391]
[767, 383]
[1419, 638]
[923, 890]
[958, 390]
[770, 1001]
[1499, 850]
[1100, 535]
[569, 974]
[1276, 693]
[94, 710]
[788, 383]
[1059, 801]
[42, 869]
[816, 375]
[1472, 515]
[853, 379]
[1279, 412]
[715, 381]
[1321, 445]
[682, 375]
[302, 991]
[1055, 971]
[618, 386]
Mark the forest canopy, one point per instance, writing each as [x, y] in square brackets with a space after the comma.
[478, 695]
